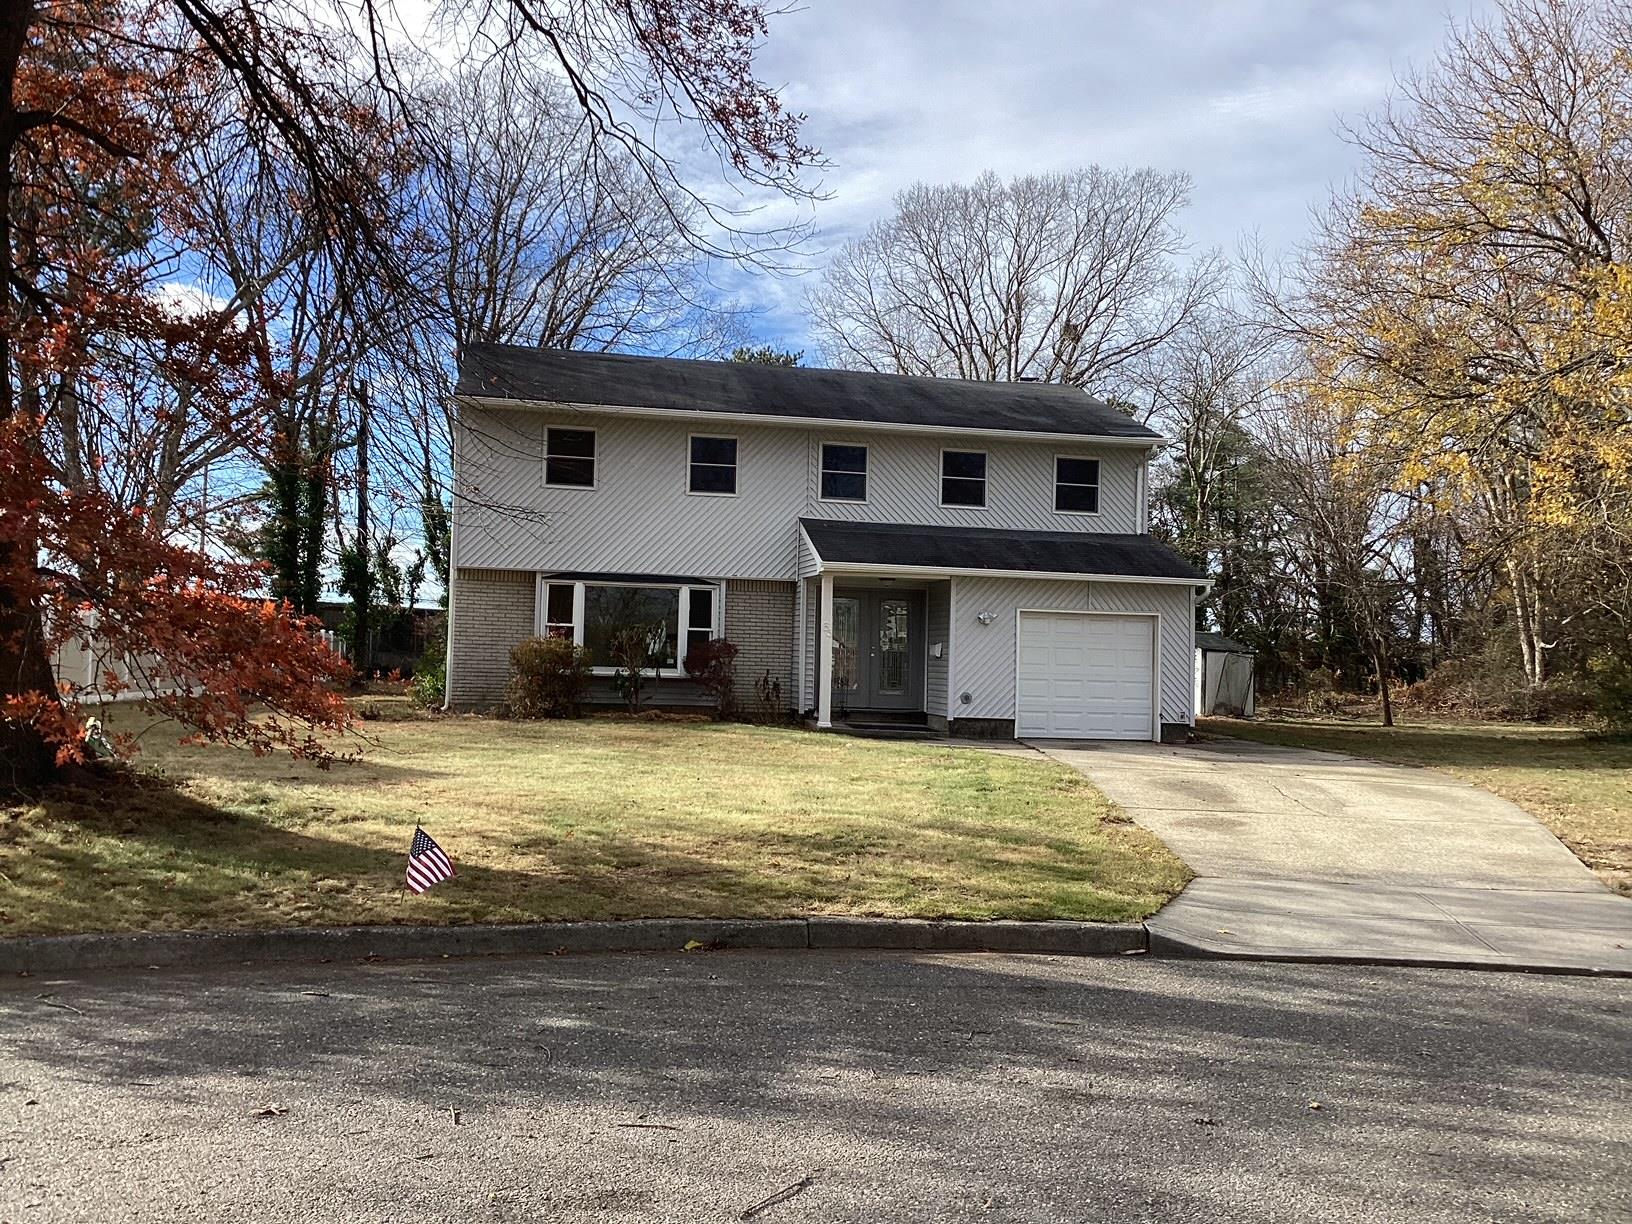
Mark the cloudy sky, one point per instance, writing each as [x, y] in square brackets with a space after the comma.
[1245, 95]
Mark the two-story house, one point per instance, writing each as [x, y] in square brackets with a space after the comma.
[881, 546]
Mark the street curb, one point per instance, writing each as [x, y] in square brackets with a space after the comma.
[1168, 947]
[34, 954]
[1056, 938]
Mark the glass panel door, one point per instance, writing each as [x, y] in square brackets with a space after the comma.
[846, 645]
[893, 638]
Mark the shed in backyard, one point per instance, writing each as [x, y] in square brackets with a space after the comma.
[1223, 676]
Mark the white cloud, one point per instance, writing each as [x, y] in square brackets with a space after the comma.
[186, 298]
[1246, 97]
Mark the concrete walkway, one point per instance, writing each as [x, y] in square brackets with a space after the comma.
[1315, 855]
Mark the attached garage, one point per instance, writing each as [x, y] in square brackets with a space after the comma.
[1086, 675]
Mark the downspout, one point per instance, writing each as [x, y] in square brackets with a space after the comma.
[453, 569]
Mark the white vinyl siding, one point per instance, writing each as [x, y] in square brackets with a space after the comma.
[984, 655]
[639, 518]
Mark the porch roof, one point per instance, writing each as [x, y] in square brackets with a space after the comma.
[859, 547]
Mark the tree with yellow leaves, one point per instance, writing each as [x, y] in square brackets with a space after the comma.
[1468, 314]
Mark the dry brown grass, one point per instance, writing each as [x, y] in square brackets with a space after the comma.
[575, 820]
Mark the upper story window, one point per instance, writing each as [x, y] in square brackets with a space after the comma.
[1076, 485]
[712, 466]
[844, 472]
[963, 478]
[569, 458]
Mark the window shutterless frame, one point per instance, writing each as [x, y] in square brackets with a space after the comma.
[565, 457]
[957, 477]
[712, 462]
[690, 625]
[1080, 493]
[841, 465]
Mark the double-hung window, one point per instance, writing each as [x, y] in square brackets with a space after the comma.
[699, 618]
[844, 472]
[712, 466]
[1076, 485]
[963, 478]
[569, 458]
[560, 610]
[671, 618]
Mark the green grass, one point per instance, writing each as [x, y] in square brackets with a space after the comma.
[1576, 783]
[575, 820]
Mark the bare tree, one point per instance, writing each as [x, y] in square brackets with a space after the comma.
[1201, 390]
[1061, 277]
[539, 237]
[1343, 526]
[653, 80]
[532, 234]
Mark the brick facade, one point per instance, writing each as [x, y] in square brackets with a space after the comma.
[492, 611]
[759, 620]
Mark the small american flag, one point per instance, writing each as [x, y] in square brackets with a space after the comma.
[427, 864]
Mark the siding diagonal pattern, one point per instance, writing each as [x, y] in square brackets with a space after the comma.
[639, 517]
[984, 663]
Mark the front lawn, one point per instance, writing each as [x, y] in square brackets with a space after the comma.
[573, 820]
[1577, 784]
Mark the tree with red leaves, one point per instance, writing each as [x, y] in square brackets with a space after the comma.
[97, 102]
[102, 114]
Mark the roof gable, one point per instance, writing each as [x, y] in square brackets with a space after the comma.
[617, 380]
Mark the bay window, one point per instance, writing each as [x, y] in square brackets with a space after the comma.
[674, 616]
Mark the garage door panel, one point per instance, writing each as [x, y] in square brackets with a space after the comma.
[1085, 676]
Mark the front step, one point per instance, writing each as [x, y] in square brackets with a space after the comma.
[904, 727]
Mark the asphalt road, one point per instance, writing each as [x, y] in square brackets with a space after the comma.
[878, 1087]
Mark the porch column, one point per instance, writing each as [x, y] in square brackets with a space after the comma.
[824, 656]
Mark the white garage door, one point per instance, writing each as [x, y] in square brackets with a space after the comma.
[1085, 677]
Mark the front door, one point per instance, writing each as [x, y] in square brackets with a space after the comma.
[878, 650]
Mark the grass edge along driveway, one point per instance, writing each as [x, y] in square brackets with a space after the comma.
[1576, 783]
[592, 819]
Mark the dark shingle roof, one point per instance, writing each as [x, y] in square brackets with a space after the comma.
[504, 371]
[978, 548]
[1218, 642]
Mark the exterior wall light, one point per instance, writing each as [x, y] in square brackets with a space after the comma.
[986, 618]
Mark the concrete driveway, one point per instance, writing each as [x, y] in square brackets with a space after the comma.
[1315, 854]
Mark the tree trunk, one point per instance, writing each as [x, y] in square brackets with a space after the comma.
[25, 758]
[1379, 659]
[363, 594]
[1521, 620]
